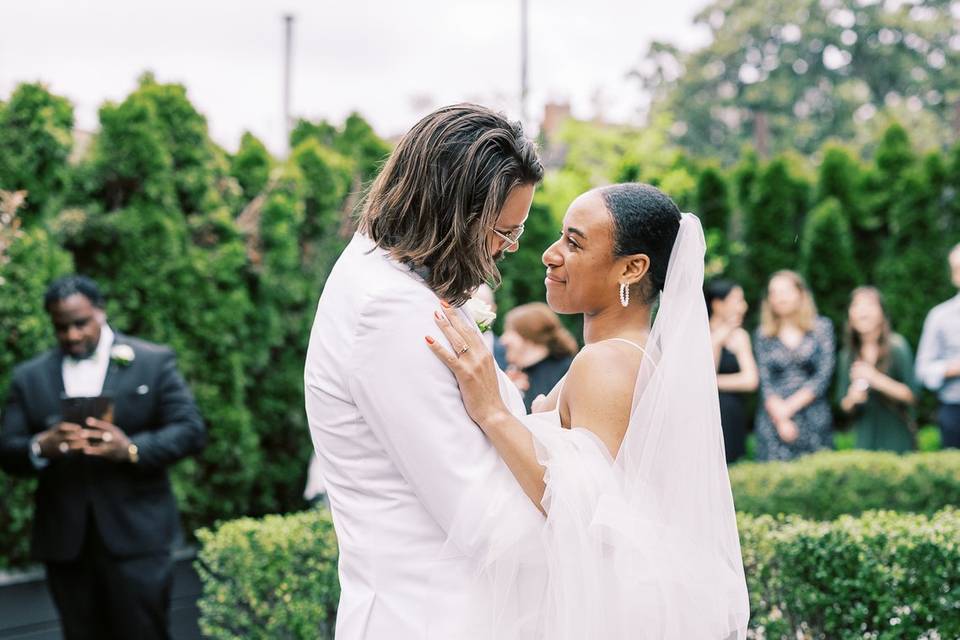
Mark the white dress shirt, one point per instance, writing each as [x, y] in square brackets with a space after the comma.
[939, 346]
[84, 378]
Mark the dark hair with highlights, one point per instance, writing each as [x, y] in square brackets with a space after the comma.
[76, 284]
[645, 221]
[441, 191]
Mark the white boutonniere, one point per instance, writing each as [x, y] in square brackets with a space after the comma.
[122, 354]
[481, 313]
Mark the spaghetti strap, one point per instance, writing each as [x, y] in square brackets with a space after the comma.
[634, 345]
[629, 342]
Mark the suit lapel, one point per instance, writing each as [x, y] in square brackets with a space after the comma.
[113, 370]
[55, 373]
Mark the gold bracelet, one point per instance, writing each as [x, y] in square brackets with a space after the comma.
[134, 453]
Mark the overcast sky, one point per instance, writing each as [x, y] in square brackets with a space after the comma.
[390, 60]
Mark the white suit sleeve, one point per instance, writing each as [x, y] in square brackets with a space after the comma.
[412, 403]
[931, 366]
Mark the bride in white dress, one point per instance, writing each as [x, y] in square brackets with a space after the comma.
[625, 456]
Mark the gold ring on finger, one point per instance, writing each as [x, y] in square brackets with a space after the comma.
[466, 348]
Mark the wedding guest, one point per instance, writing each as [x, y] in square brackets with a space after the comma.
[539, 349]
[733, 354]
[938, 358]
[795, 358]
[105, 519]
[875, 376]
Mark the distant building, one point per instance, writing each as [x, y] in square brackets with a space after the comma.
[554, 115]
[552, 151]
[82, 142]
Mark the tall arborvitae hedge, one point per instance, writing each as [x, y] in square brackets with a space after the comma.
[36, 137]
[773, 216]
[827, 259]
[912, 269]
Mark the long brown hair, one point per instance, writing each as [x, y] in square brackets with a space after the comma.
[441, 191]
[806, 315]
[854, 341]
[538, 323]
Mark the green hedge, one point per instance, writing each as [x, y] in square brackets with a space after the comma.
[222, 257]
[269, 578]
[880, 575]
[826, 485]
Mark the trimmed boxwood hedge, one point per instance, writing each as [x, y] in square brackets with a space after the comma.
[878, 574]
[829, 484]
[274, 577]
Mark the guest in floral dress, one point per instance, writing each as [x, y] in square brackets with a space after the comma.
[795, 357]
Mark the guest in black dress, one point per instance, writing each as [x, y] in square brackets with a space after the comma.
[539, 349]
[736, 368]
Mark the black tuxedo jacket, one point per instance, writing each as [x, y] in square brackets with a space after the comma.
[133, 503]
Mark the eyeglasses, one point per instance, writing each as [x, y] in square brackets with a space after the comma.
[510, 237]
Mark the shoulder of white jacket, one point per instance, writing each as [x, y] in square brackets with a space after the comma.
[944, 308]
[384, 281]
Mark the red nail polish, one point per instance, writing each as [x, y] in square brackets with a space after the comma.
[428, 339]
[445, 303]
[438, 315]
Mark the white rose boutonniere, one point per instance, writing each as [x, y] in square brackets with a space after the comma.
[481, 313]
[122, 354]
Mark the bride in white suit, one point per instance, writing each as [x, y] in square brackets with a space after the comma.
[625, 457]
[401, 459]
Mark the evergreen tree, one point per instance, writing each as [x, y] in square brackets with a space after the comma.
[881, 190]
[357, 140]
[713, 200]
[29, 260]
[36, 136]
[170, 281]
[952, 195]
[841, 178]
[251, 165]
[327, 177]
[772, 221]
[912, 271]
[827, 259]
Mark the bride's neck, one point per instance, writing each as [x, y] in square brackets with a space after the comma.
[632, 323]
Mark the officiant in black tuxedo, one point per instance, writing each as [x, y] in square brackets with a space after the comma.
[105, 516]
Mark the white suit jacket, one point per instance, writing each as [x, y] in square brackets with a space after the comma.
[400, 457]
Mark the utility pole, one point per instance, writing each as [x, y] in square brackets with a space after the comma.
[287, 62]
[524, 87]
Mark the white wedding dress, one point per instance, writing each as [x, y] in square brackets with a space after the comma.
[644, 545]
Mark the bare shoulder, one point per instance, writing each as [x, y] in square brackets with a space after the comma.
[599, 390]
[739, 340]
